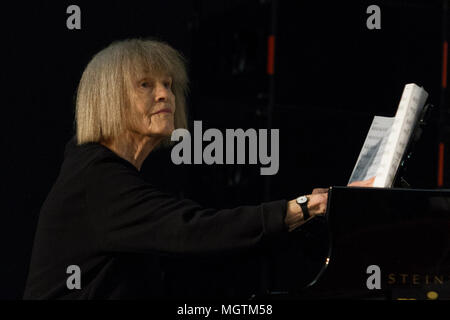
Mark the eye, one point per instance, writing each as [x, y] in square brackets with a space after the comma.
[168, 84]
[145, 84]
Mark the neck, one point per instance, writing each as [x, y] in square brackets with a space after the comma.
[133, 148]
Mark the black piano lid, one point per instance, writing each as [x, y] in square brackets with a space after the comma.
[405, 232]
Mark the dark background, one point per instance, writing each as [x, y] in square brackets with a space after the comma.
[332, 75]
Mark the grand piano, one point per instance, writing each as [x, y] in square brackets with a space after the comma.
[373, 243]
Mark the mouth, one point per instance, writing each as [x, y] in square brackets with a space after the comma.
[165, 110]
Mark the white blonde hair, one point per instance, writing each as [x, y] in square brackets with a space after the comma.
[103, 96]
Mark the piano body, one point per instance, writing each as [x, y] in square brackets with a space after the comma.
[373, 243]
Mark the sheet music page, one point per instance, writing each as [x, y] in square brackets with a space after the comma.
[387, 140]
[411, 103]
[369, 159]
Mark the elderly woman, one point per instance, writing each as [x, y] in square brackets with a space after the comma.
[101, 216]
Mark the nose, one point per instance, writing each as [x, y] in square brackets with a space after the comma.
[161, 92]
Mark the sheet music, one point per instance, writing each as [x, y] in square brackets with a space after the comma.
[387, 139]
[369, 159]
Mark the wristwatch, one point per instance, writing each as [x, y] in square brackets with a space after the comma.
[303, 203]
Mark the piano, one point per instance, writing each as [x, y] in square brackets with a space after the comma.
[373, 243]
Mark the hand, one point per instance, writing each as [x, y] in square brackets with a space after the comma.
[365, 183]
[320, 190]
[317, 205]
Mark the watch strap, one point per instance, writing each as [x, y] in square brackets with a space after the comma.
[305, 210]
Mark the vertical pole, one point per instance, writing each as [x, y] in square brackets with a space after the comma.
[265, 284]
[271, 43]
[443, 109]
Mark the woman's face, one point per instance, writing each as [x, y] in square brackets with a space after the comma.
[153, 105]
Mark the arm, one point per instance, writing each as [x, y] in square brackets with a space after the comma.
[134, 216]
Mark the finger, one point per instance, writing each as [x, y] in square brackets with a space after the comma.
[369, 182]
[320, 190]
[365, 183]
[362, 183]
[357, 184]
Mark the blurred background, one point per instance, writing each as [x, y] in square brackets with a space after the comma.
[332, 75]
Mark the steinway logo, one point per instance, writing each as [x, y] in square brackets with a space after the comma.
[375, 278]
[415, 279]
[415, 284]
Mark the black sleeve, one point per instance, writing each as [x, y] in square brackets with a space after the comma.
[135, 217]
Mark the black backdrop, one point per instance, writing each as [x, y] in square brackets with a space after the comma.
[332, 76]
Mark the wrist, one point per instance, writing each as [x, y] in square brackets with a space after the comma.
[303, 203]
[294, 215]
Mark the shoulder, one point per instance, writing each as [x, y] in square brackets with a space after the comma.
[109, 166]
[112, 183]
[96, 158]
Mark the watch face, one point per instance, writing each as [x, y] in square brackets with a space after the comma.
[302, 199]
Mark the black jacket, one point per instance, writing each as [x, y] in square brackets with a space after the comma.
[102, 216]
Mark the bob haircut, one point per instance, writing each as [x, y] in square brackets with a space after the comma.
[103, 96]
